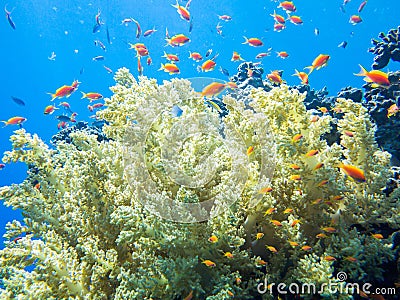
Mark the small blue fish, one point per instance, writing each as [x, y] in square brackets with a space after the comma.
[96, 27]
[176, 111]
[108, 36]
[342, 44]
[63, 118]
[8, 16]
[20, 102]
[191, 24]
[224, 71]
[97, 58]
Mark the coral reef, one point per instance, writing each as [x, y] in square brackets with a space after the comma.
[65, 134]
[166, 207]
[378, 100]
[385, 49]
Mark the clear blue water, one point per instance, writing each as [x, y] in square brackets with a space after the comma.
[66, 26]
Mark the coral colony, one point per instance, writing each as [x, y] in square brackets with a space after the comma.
[178, 197]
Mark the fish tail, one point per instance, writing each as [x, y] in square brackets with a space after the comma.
[363, 71]
[310, 68]
[83, 95]
[161, 68]
[5, 123]
[246, 40]
[53, 96]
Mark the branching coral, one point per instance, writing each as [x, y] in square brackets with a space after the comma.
[103, 222]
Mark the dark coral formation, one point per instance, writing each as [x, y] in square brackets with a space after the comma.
[242, 78]
[378, 100]
[94, 129]
[386, 49]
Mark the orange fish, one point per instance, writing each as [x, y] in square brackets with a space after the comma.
[171, 57]
[232, 85]
[311, 153]
[288, 6]
[261, 262]
[288, 211]
[225, 18]
[355, 19]
[189, 296]
[213, 89]
[259, 235]
[92, 96]
[49, 109]
[351, 259]
[319, 62]
[282, 54]
[169, 68]
[228, 254]
[321, 235]
[209, 263]
[302, 75]
[314, 119]
[279, 27]
[213, 239]
[297, 137]
[348, 133]
[306, 248]
[293, 244]
[296, 20]
[275, 77]
[278, 18]
[196, 56]
[323, 109]
[14, 121]
[392, 110]
[236, 56]
[265, 190]
[294, 167]
[139, 66]
[323, 182]
[329, 258]
[250, 150]
[295, 222]
[377, 236]
[276, 223]
[270, 211]
[317, 201]
[177, 40]
[208, 65]
[295, 177]
[375, 76]
[182, 11]
[353, 172]
[64, 91]
[262, 54]
[255, 42]
[329, 229]
[272, 249]
[318, 166]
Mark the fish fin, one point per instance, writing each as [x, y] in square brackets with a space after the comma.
[246, 40]
[83, 95]
[363, 71]
[161, 68]
[5, 123]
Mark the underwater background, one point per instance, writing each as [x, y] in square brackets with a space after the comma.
[66, 29]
